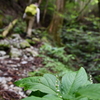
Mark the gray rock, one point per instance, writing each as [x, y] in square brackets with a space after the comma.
[16, 45]
[15, 40]
[5, 86]
[4, 57]
[12, 65]
[15, 53]
[4, 45]
[25, 57]
[24, 62]
[24, 44]
[16, 36]
[5, 42]
[3, 80]
[30, 59]
[28, 92]
[32, 52]
[2, 53]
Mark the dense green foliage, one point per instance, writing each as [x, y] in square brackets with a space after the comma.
[81, 48]
[55, 60]
[72, 86]
[82, 41]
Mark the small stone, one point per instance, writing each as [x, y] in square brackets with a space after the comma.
[11, 86]
[31, 59]
[18, 65]
[9, 62]
[17, 58]
[2, 53]
[15, 53]
[17, 89]
[32, 52]
[25, 57]
[3, 80]
[5, 86]
[4, 57]
[13, 65]
[22, 94]
[16, 36]
[28, 92]
[24, 62]
[24, 44]
[8, 79]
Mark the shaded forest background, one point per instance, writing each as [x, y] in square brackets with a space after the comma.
[72, 25]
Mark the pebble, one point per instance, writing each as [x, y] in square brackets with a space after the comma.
[28, 92]
[24, 62]
[4, 57]
[2, 53]
[5, 86]
[13, 65]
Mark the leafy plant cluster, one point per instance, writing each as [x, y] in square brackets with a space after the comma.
[55, 57]
[55, 60]
[72, 86]
[94, 21]
[20, 27]
[84, 44]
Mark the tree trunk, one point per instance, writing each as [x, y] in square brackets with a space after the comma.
[57, 21]
[99, 7]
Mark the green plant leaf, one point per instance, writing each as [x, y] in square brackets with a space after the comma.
[72, 81]
[32, 98]
[84, 98]
[37, 93]
[44, 98]
[25, 81]
[52, 97]
[91, 91]
[45, 84]
[49, 81]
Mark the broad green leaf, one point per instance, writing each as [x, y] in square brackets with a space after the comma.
[73, 80]
[23, 82]
[91, 91]
[84, 99]
[50, 81]
[32, 98]
[81, 98]
[44, 98]
[38, 86]
[52, 97]
[37, 93]
[41, 87]
[46, 84]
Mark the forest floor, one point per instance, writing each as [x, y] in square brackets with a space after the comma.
[13, 68]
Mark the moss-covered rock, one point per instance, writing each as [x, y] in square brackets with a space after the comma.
[31, 42]
[36, 39]
[24, 44]
[4, 46]
[15, 53]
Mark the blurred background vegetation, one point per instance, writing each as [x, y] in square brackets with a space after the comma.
[70, 28]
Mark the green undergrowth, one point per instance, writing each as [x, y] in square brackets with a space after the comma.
[83, 41]
[73, 85]
[55, 60]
